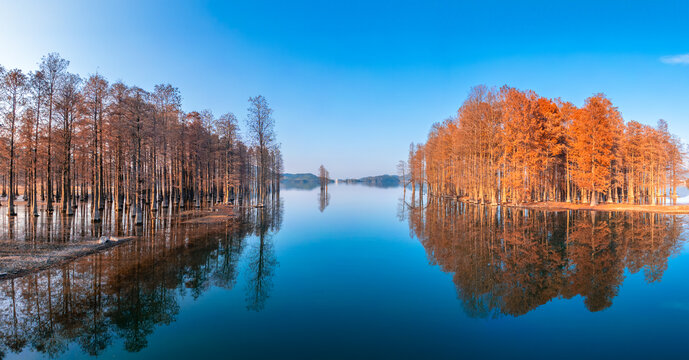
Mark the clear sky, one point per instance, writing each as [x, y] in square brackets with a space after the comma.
[352, 83]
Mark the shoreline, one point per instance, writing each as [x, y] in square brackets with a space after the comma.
[616, 207]
[19, 264]
[681, 209]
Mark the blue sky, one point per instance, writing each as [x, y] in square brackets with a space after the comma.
[352, 83]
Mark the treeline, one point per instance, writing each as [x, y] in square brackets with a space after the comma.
[509, 145]
[68, 140]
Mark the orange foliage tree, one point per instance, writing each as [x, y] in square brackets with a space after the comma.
[596, 133]
[510, 145]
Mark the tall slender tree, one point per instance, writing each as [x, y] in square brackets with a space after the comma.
[38, 87]
[95, 97]
[68, 105]
[53, 67]
[595, 131]
[12, 89]
[261, 128]
[323, 177]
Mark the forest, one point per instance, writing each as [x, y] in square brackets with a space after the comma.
[68, 141]
[512, 146]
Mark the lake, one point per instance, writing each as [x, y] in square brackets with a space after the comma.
[363, 273]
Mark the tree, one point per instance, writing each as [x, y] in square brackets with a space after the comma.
[38, 86]
[95, 94]
[13, 90]
[260, 123]
[229, 136]
[53, 67]
[323, 177]
[138, 110]
[119, 132]
[595, 131]
[68, 105]
[402, 172]
[167, 102]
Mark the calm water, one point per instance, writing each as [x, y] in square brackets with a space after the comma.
[361, 273]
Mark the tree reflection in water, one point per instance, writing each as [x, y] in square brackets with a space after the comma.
[323, 199]
[262, 260]
[508, 261]
[129, 290]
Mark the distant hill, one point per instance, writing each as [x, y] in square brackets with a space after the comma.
[304, 181]
[380, 181]
[309, 181]
[305, 177]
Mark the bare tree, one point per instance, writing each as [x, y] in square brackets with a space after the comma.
[166, 100]
[139, 110]
[2, 110]
[229, 135]
[68, 105]
[119, 133]
[52, 66]
[13, 90]
[261, 124]
[38, 87]
[95, 93]
[324, 177]
[403, 174]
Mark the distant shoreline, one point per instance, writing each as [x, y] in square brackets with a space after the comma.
[308, 181]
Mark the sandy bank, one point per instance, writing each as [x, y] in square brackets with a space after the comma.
[17, 259]
[559, 206]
